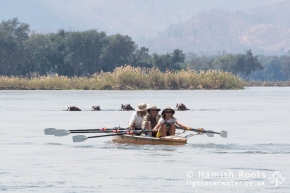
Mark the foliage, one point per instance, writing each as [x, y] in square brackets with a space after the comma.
[141, 58]
[73, 53]
[243, 64]
[13, 34]
[272, 70]
[202, 63]
[128, 78]
[168, 61]
[285, 66]
[83, 53]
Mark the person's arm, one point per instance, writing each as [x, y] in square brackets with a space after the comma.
[131, 122]
[144, 122]
[155, 129]
[160, 122]
[182, 125]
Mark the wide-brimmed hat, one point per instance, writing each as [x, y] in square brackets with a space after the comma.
[168, 109]
[141, 107]
[153, 107]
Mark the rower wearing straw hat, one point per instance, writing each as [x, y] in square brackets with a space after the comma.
[151, 119]
[166, 124]
[136, 119]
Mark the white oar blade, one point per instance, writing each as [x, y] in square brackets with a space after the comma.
[79, 138]
[61, 132]
[209, 134]
[49, 131]
[224, 134]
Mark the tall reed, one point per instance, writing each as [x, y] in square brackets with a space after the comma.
[129, 78]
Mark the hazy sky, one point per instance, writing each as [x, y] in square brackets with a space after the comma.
[145, 20]
[138, 17]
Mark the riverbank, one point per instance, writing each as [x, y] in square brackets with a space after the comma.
[129, 78]
[274, 84]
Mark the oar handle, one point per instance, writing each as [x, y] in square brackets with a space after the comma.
[132, 132]
[201, 130]
[101, 129]
[113, 134]
[80, 138]
[96, 131]
[223, 134]
[105, 135]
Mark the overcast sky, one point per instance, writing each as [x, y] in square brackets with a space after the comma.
[114, 16]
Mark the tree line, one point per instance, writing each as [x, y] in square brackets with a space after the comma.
[247, 66]
[83, 53]
[73, 53]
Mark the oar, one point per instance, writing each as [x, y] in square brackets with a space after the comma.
[209, 133]
[101, 129]
[63, 132]
[49, 131]
[81, 138]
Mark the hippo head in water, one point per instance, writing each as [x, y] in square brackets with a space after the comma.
[126, 107]
[181, 107]
[73, 108]
[96, 108]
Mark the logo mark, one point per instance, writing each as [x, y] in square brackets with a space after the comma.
[276, 179]
[189, 174]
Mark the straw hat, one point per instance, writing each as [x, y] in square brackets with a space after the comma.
[141, 107]
[168, 109]
[153, 107]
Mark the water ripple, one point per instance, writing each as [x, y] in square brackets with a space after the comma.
[242, 149]
[51, 143]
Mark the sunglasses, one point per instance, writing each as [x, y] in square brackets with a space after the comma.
[168, 111]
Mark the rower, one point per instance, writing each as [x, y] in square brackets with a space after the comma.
[137, 117]
[151, 119]
[166, 124]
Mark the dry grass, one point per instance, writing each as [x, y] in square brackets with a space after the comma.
[273, 83]
[129, 78]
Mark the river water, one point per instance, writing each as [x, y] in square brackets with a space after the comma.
[254, 158]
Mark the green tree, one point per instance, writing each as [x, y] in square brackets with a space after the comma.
[83, 51]
[285, 65]
[177, 58]
[13, 34]
[141, 58]
[248, 63]
[58, 54]
[243, 64]
[168, 61]
[162, 62]
[226, 63]
[37, 49]
[201, 63]
[118, 51]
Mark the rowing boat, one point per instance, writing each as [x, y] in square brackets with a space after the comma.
[122, 135]
[140, 140]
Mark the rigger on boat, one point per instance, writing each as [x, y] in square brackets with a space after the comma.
[145, 126]
[122, 135]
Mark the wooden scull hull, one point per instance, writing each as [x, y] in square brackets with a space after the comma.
[140, 140]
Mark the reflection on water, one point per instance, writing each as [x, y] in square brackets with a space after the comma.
[257, 121]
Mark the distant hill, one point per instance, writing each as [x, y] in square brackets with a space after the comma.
[207, 26]
[265, 30]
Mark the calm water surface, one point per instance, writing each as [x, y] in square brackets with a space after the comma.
[258, 145]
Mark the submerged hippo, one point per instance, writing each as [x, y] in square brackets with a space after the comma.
[126, 107]
[73, 108]
[96, 108]
[181, 107]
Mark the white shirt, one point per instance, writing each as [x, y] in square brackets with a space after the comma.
[170, 121]
[136, 120]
